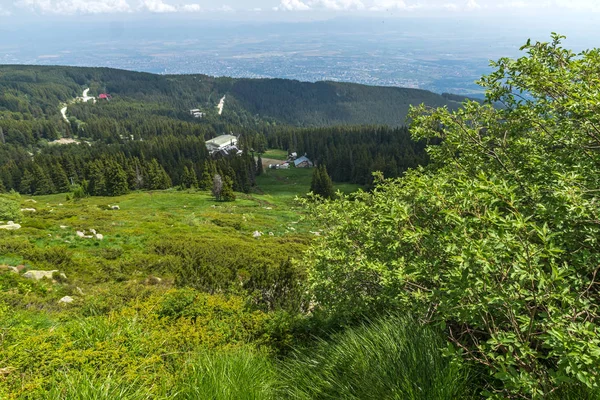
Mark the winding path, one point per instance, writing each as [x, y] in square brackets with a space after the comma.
[221, 105]
[85, 98]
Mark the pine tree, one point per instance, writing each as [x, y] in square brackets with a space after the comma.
[227, 193]
[59, 178]
[116, 179]
[42, 182]
[27, 183]
[189, 179]
[96, 185]
[206, 181]
[321, 183]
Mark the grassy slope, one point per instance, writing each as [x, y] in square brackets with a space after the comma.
[119, 323]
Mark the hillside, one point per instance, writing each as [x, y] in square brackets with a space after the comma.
[38, 90]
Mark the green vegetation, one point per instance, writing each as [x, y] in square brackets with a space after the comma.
[496, 241]
[472, 272]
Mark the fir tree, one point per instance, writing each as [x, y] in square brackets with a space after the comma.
[321, 183]
[206, 181]
[96, 185]
[227, 193]
[116, 179]
[59, 178]
[42, 182]
[189, 179]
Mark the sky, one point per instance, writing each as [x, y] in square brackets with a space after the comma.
[12, 10]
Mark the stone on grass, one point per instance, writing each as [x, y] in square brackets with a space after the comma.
[115, 207]
[66, 300]
[153, 280]
[10, 226]
[80, 234]
[9, 268]
[28, 210]
[257, 234]
[38, 275]
[99, 236]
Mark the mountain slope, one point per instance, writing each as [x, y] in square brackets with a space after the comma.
[38, 91]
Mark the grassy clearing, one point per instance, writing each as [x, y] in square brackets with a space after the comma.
[275, 154]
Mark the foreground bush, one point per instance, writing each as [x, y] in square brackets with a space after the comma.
[498, 239]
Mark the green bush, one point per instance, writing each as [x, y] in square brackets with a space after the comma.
[10, 210]
[497, 240]
[394, 358]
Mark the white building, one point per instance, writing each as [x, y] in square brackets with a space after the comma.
[223, 142]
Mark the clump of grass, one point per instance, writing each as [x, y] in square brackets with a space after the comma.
[84, 386]
[394, 358]
[241, 374]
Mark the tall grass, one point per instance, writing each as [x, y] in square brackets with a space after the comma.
[240, 375]
[394, 358]
[84, 386]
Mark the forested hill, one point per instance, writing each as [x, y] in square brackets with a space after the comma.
[38, 91]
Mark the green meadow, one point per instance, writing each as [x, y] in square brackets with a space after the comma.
[174, 277]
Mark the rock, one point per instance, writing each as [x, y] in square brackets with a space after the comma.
[79, 291]
[63, 227]
[28, 210]
[256, 234]
[60, 204]
[316, 233]
[66, 300]
[9, 268]
[115, 207]
[38, 275]
[99, 236]
[93, 231]
[153, 280]
[30, 201]
[10, 226]
[20, 267]
[80, 234]
[271, 234]
[63, 276]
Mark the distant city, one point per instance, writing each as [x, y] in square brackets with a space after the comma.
[431, 55]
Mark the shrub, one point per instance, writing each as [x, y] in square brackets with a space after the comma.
[10, 210]
[497, 239]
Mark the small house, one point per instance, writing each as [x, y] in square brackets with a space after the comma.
[104, 96]
[303, 162]
[196, 113]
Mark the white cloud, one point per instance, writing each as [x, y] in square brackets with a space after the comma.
[385, 5]
[292, 5]
[338, 4]
[191, 8]
[157, 6]
[4, 13]
[472, 5]
[75, 6]
[226, 8]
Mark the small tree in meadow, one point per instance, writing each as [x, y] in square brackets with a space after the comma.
[217, 186]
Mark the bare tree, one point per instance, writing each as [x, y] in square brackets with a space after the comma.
[217, 188]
